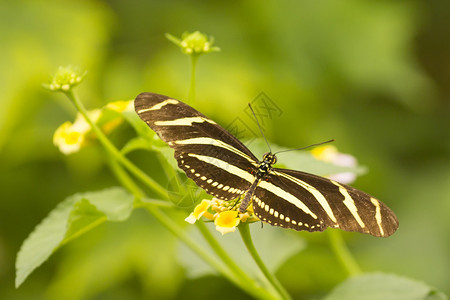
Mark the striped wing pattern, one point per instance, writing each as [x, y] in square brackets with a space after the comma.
[216, 161]
[314, 203]
[225, 168]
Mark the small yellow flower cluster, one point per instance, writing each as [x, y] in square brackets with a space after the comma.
[70, 137]
[330, 153]
[65, 78]
[194, 43]
[222, 213]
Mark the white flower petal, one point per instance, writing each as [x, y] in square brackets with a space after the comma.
[191, 219]
[225, 230]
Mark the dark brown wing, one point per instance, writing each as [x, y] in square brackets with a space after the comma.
[304, 201]
[212, 157]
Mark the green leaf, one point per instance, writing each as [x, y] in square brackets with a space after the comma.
[114, 202]
[77, 214]
[40, 244]
[121, 257]
[168, 154]
[82, 218]
[153, 144]
[383, 286]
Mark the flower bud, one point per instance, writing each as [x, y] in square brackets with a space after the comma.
[194, 43]
[65, 79]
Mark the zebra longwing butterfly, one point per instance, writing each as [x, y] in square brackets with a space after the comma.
[220, 164]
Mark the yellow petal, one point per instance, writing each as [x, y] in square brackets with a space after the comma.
[325, 153]
[227, 221]
[67, 138]
[121, 105]
[111, 125]
[200, 209]
[80, 123]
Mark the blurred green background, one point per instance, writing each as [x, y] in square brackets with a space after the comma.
[374, 75]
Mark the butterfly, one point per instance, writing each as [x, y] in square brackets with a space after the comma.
[224, 167]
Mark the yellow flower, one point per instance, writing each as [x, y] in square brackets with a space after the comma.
[325, 153]
[199, 211]
[69, 138]
[227, 221]
[330, 154]
[248, 215]
[224, 213]
[111, 121]
[121, 105]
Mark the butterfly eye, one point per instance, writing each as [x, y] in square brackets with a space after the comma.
[274, 159]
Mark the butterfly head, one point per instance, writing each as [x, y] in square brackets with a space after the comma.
[268, 160]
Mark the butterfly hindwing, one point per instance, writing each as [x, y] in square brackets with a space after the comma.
[212, 157]
[314, 203]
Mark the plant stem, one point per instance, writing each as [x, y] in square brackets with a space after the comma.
[248, 286]
[110, 148]
[218, 249]
[125, 179]
[171, 174]
[194, 59]
[244, 230]
[343, 253]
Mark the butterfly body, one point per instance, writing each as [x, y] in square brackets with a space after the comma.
[260, 172]
[225, 168]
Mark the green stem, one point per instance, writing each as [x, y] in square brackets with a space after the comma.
[247, 286]
[171, 174]
[244, 230]
[194, 59]
[124, 178]
[218, 249]
[110, 148]
[343, 253]
[157, 203]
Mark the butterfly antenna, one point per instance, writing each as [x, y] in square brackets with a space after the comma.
[313, 145]
[259, 126]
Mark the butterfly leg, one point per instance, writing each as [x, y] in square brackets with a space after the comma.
[236, 202]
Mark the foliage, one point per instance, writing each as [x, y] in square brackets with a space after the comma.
[74, 216]
[383, 286]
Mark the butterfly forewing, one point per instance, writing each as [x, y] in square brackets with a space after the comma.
[313, 203]
[212, 157]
